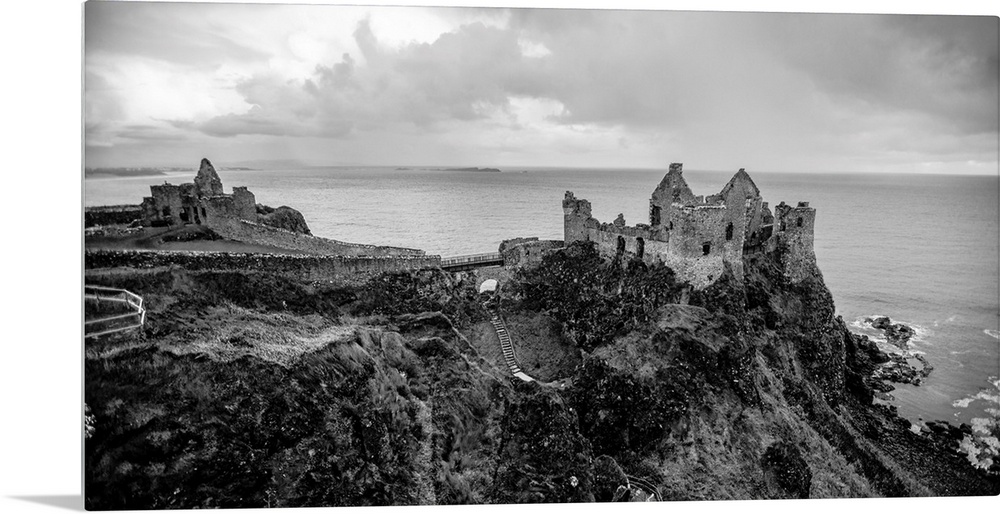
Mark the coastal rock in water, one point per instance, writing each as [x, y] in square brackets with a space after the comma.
[207, 182]
[896, 334]
[283, 217]
[900, 371]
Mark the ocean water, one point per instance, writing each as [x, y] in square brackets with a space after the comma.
[921, 249]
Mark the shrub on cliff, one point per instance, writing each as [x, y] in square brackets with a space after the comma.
[594, 300]
[543, 458]
[622, 414]
[410, 292]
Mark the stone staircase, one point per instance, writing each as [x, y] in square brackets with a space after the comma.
[505, 344]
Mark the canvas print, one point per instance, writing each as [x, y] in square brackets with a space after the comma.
[343, 255]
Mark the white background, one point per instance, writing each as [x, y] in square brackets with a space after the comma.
[40, 417]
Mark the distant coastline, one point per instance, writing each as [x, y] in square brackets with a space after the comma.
[144, 172]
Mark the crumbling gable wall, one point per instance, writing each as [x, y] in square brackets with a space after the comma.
[673, 189]
[207, 181]
[743, 207]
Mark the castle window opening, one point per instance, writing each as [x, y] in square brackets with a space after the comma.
[783, 226]
[706, 248]
[203, 215]
[671, 225]
[184, 215]
[654, 215]
[640, 247]
[729, 232]
[621, 246]
[166, 211]
[798, 222]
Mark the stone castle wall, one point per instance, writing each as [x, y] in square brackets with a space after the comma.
[526, 251]
[256, 233]
[303, 267]
[111, 215]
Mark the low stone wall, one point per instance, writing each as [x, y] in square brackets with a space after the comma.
[304, 267]
[111, 215]
[256, 233]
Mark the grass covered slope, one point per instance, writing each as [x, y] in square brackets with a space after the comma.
[250, 389]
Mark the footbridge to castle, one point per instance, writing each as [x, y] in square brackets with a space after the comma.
[468, 262]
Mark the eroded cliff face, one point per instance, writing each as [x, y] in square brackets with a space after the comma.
[253, 389]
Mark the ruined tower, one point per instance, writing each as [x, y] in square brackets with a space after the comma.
[576, 214]
[793, 237]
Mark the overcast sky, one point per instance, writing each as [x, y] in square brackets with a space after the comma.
[166, 84]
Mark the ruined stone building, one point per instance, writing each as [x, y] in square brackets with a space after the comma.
[197, 202]
[237, 217]
[698, 236]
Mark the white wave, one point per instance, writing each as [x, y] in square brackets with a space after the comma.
[983, 425]
[984, 394]
[995, 334]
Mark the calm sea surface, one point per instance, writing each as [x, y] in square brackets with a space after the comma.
[921, 249]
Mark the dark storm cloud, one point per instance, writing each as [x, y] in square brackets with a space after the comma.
[942, 66]
[463, 75]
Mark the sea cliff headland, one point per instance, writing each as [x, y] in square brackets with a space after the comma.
[694, 357]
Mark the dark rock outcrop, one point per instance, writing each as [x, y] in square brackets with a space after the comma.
[283, 217]
[896, 334]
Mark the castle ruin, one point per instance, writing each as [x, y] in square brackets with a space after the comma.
[235, 217]
[197, 202]
[699, 237]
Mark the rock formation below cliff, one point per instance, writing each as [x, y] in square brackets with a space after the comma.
[283, 217]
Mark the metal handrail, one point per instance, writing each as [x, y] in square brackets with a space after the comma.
[466, 259]
[112, 294]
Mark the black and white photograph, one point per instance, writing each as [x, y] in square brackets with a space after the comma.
[344, 255]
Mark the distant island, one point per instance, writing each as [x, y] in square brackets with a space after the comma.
[472, 169]
[492, 170]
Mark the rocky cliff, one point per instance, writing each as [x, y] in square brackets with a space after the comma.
[253, 389]
[283, 217]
